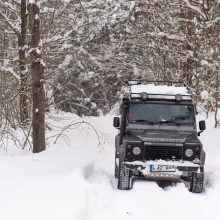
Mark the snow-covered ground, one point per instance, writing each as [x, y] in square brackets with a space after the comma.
[73, 180]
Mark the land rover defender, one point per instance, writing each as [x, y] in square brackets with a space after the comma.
[158, 137]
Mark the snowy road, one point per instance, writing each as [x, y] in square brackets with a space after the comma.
[75, 182]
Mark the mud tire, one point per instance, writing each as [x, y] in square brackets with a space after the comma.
[196, 183]
[124, 178]
[116, 170]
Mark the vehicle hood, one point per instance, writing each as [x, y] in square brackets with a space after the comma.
[162, 136]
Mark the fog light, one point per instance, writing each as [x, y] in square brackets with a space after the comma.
[178, 97]
[144, 95]
[189, 152]
[136, 150]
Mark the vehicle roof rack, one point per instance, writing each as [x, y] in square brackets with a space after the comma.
[156, 83]
[136, 82]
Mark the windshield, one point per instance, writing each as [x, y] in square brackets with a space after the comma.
[160, 113]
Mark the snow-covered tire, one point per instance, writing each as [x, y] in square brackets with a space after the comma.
[116, 170]
[116, 165]
[196, 184]
[124, 178]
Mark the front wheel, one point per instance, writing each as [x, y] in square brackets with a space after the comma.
[196, 183]
[116, 169]
[124, 177]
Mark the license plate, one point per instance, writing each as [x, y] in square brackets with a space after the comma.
[162, 168]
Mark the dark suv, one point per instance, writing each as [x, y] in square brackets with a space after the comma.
[157, 138]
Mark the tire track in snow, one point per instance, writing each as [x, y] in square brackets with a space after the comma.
[100, 197]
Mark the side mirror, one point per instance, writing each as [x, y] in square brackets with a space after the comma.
[116, 122]
[202, 125]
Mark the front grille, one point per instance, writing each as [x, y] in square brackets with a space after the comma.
[163, 152]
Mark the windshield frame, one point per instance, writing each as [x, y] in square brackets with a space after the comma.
[164, 122]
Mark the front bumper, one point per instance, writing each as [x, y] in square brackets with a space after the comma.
[181, 169]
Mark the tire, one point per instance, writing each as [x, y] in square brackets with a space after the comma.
[124, 178]
[116, 166]
[116, 170]
[196, 183]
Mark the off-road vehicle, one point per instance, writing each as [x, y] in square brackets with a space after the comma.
[158, 137]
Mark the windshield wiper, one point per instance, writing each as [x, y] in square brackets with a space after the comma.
[142, 121]
[171, 121]
[180, 117]
[167, 122]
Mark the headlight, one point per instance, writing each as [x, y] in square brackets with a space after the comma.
[136, 150]
[189, 152]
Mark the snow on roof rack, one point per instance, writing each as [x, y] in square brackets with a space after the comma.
[158, 90]
[156, 82]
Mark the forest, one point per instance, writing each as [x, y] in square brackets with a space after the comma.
[66, 153]
[75, 55]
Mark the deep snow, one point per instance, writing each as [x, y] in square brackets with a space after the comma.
[73, 179]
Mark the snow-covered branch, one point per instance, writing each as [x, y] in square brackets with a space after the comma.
[10, 24]
[195, 8]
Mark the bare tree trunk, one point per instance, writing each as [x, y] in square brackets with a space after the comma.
[22, 64]
[190, 31]
[37, 72]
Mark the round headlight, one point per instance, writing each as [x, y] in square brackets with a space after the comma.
[189, 152]
[136, 150]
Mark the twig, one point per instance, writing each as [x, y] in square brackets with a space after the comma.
[81, 122]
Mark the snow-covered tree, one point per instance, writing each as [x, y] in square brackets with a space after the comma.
[92, 47]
